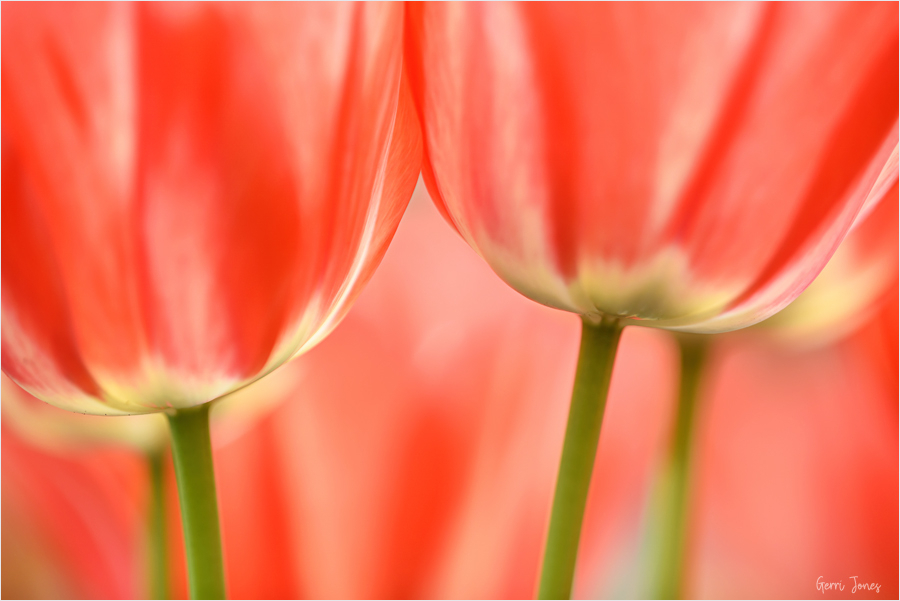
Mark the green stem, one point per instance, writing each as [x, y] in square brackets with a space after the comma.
[158, 569]
[676, 484]
[192, 453]
[592, 376]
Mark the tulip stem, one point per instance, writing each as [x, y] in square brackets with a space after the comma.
[592, 376]
[158, 568]
[675, 485]
[192, 453]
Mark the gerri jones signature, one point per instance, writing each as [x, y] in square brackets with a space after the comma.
[823, 586]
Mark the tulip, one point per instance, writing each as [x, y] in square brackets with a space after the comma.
[879, 343]
[54, 430]
[849, 290]
[685, 167]
[854, 284]
[655, 164]
[796, 474]
[70, 521]
[194, 194]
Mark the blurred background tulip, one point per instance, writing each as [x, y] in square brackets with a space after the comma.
[73, 524]
[855, 283]
[797, 475]
[428, 472]
[193, 193]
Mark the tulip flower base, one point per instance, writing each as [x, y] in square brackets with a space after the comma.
[192, 454]
[596, 356]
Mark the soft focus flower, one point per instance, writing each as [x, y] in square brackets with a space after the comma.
[797, 475]
[193, 194]
[691, 167]
[879, 342]
[855, 283]
[72, 522]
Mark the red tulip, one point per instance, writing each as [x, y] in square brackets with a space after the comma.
[797, 474]
[71, 523]
[854, 284]
[193, 194]
[691, 167]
